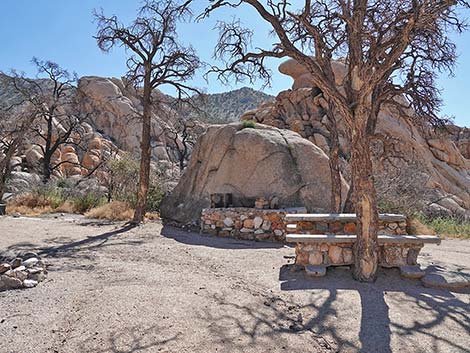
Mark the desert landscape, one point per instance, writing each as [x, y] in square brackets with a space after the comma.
[198, 188]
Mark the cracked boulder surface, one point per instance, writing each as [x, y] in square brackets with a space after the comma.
[249, 163]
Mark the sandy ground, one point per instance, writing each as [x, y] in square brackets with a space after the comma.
[149, 289]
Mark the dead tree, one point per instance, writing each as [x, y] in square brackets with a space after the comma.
[14, 127]
[393, 51]
[52, 99]
[157, 59]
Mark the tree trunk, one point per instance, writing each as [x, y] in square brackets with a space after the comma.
[5, 169]
[335, 172]
[366, 247]
[144, 173]
[349, 202]
[46, 168]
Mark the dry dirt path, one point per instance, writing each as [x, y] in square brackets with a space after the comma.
[113, 289]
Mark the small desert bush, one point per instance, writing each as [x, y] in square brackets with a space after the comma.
[249, 124]
[84, 203]
[452, 227]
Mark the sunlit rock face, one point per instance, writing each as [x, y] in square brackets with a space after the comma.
[250, 163]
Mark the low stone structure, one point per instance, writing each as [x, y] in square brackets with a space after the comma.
[22, 272]
[327, 253]
[247, 223]
[324, 240]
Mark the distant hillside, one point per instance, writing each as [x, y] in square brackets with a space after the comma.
[229, 106]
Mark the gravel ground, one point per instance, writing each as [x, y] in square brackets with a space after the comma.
[148, 289]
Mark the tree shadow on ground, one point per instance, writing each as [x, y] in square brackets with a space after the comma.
[130, 339]
[375, 325]
[192, 238]
[260, 322]
[63, 247]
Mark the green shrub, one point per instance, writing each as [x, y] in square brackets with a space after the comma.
[448, 226]
[82, 204]
[154, 198]
[249, 124]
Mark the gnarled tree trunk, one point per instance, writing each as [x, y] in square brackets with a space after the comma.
[145, 156]
[335, 173]
[366, 247]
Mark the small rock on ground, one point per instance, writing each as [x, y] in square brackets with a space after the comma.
[412, 272]
[446, 280]
[315, 271]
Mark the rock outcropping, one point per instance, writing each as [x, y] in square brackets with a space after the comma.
[427, 170]
[251, 163]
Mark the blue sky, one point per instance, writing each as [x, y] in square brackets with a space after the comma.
[62, 30]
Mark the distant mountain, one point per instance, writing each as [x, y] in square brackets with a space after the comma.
[227, 107]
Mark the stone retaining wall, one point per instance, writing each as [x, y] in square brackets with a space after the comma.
[390, 255]
[246, 223]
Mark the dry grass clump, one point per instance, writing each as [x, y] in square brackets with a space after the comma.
[417, 226]
[113, 211]
[117, 211]
[49, 200]
[30, 204]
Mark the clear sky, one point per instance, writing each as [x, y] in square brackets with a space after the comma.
[62, 30]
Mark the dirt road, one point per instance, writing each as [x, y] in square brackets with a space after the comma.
[154, 289]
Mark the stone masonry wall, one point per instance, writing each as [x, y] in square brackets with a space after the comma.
[246, 223]
[390, 255]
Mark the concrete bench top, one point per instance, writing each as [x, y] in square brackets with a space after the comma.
[345, 217]
[351, 238]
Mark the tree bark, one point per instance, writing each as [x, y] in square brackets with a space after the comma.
[366, 246]
[144, 173]
[336, 200]
[5, 168]
[349, 202]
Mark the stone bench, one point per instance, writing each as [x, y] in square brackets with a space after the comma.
[317, 251]
[344, 223]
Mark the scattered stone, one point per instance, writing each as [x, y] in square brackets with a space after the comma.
[411, 272]
[16, 262]
[446, 280]
[29, 255]
[278, 232]
[4, 268]
[19, 272]
[31, 262]
[22, 272]
[29, 283]
[7, 282]
[315, 271]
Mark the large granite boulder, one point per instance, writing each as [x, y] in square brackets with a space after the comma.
[251, 163]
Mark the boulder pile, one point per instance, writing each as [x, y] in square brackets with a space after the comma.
[22, 272]
[416, 167]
